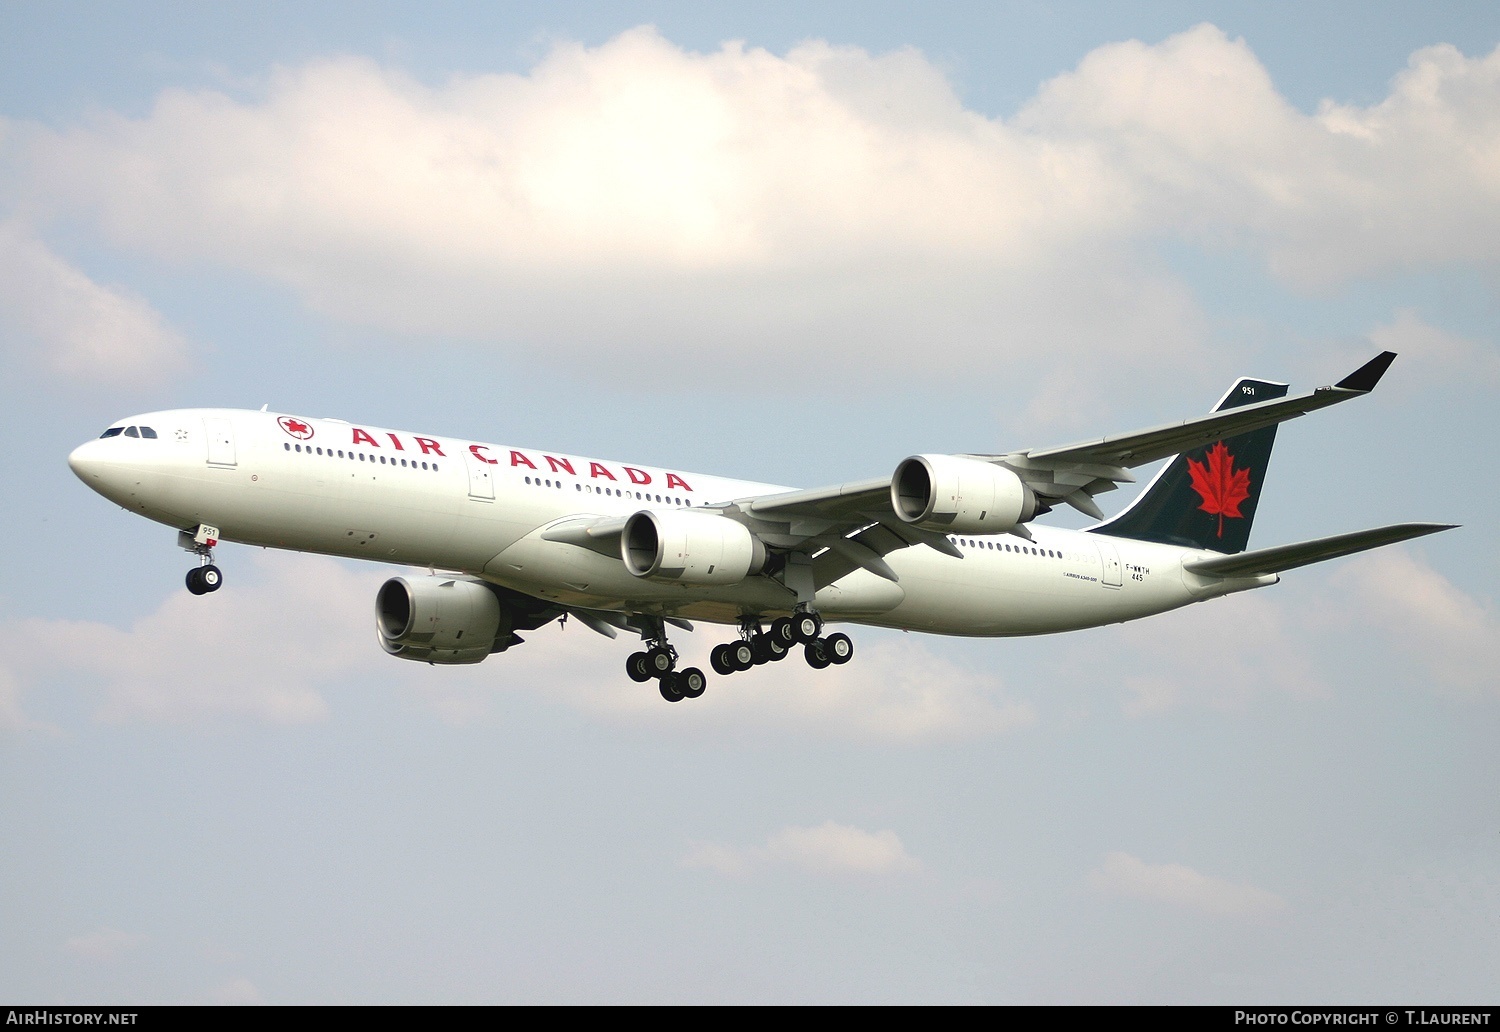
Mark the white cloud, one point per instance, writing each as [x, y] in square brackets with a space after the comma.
[1197, 128]
[104, 944]
[736, 208]
[267, 646]
[54, 317]
[1436, 354]
[12, 717]
[830, 849]
[1220, 654]
[1179, 886]
[1454, 637]
[255, 651]
[634, 202]
[1387, 605]
[894, 690]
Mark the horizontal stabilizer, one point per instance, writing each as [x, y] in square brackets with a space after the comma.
[1303, 553]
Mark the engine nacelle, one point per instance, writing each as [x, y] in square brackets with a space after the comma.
[955, 495]
[690, 548]
[439, 620]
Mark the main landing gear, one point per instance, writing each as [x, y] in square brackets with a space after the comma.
[755, 648]
[659, 661]
[205, 577]
[803, 628]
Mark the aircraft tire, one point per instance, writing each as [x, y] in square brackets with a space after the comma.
[742, 655]
[781, 630]
[635, 666]
[691, 682]
[659, 661]
[669, 688]
[814, 654]
[210, 577]
[719, 660]
[760, 644]
[806, 626]
[838, 648]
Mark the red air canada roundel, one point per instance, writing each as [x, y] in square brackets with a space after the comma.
[296, 427]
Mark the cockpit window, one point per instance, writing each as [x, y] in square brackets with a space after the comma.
[113, 431]
[131, 431]
[146, 431]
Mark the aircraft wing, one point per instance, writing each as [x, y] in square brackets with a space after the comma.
[1303, 553]
[861, 512]
[852, 526]
[1074, 473]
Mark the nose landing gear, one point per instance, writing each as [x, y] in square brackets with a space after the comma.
[203, 579]
[206, 577]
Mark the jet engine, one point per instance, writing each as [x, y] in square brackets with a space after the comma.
[690, 548]
[440, 620]
[951, 494]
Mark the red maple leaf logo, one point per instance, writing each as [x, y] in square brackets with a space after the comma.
[1220, 485]
[295, 427]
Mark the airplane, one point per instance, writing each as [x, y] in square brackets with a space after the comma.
[514, 538]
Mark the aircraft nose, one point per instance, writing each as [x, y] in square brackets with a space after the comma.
[85, 461]
[98, 466]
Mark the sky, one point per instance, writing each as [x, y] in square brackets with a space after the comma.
[784, 242]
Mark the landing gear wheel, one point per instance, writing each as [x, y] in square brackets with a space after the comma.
[816, 657]
[195, 580]
[782, 631]
[719, 659]
[669, 688]
[741, 654]
[210, 577]
[760, 644]
[775, 651]
[806, 627]
[636, 667]
[838, 648]
[691, 682]
[660, 661]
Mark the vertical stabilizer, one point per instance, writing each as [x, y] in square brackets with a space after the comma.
[1206, 498]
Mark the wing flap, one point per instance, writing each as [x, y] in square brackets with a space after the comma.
[1303, 553]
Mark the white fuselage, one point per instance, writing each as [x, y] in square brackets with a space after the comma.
[324, 485]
